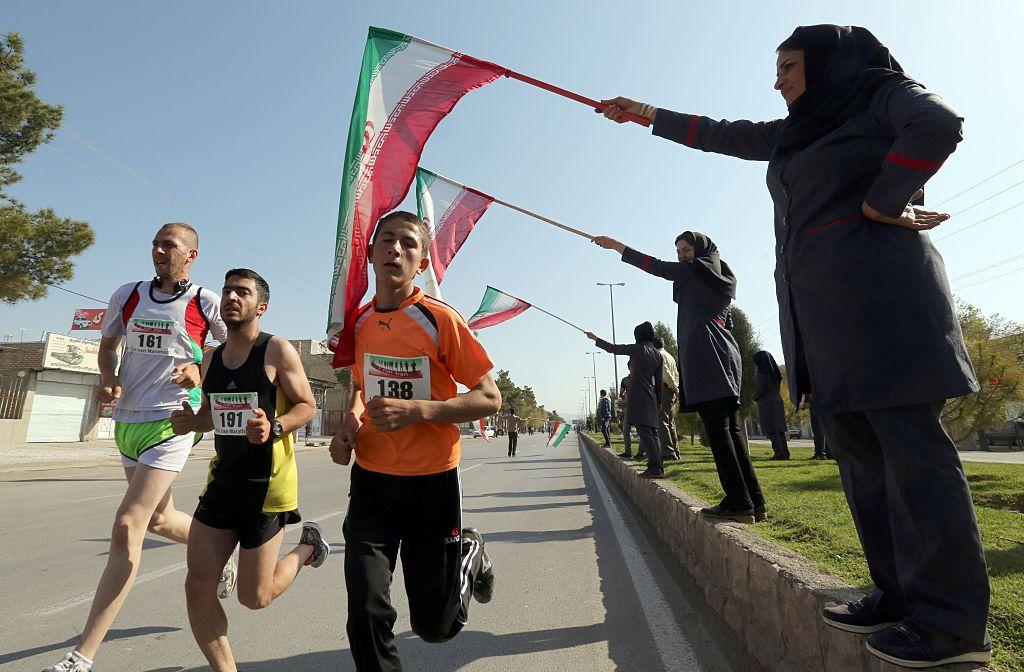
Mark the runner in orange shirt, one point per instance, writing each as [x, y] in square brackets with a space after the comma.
[411, 350]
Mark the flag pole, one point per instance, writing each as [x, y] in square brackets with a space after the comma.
[595, 104]
[514, 207]
[543, 311]
[551, 88]
[543, 219]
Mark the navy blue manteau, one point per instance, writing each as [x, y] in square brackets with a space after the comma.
[866, 315]
[709, 357]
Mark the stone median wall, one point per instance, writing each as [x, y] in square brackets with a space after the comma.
[770, 597]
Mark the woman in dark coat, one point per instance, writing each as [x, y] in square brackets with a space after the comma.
[770, 408]
[868, 324]
[710, 369]
[644, 394]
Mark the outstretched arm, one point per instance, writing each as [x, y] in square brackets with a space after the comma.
[670, 270]
[751, 140]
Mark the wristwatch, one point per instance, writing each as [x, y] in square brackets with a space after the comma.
[276, 430]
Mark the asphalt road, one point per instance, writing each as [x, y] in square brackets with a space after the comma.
[581, 584]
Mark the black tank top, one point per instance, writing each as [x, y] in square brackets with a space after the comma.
[236, 457]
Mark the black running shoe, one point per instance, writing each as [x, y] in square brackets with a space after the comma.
[760, 513]
[719, 511]
[857, 617]
[908, 644]
[483, 584]
[313, 535]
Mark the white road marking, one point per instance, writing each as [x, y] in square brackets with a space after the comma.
[149, 576]
[674, 650]
[182, 486]
[164, 571]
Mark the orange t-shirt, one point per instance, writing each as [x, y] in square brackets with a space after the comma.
[419, 350]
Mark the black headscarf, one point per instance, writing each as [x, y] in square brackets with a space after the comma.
[643, 332]
[766, 364]
[844, 66]
[710, 267]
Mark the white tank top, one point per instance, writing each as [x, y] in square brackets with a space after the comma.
[160, 332]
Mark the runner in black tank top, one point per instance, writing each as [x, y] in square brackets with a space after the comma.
[256, 395]
[245, 478]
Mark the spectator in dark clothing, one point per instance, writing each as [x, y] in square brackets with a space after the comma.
[770, 409]
[710, 373]
[604, 417]
[645, 385]
[627, 432]
[868, 323]
[820, 445]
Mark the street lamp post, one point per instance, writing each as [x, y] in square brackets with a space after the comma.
[593, 360]
[611, 299]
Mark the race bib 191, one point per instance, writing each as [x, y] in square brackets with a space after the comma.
[231, 411]
[151, 337]
[396, 377]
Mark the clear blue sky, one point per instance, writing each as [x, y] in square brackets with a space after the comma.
[240, 110]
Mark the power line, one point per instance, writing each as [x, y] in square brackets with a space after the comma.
[1012, 186]
[986, 268]
[996, 174]
[981, 221]
[182, 203]
[65, 289]
[981, 282]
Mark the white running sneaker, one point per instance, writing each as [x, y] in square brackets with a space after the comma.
[228, 579]
[313, 535]
[73, 662]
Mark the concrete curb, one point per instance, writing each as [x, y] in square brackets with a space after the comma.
[770, 597]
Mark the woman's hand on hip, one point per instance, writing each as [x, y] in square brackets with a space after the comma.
[609, 244]
[917, 219]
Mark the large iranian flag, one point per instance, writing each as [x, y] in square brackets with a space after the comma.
[452, 210]
[406, 86]
[495, 308]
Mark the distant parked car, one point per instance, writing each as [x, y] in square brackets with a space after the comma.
[794, 432]
[1012, 436]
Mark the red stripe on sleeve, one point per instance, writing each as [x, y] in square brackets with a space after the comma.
[129, 305]
[692, 133]
[911, 162]
[647, 262]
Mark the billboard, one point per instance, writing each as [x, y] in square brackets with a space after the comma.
[71, 354]
[88, 319]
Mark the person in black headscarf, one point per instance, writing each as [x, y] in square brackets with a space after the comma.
[868, 324]
[770, 408]
[710, 370]
[644, 395]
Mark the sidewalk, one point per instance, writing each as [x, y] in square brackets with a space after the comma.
[37, 456]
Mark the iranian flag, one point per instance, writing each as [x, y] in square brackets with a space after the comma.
[557, 434]
[495, 308]
[451, 210]
[406, 86]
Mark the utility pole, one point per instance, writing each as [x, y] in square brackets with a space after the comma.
[611, 299]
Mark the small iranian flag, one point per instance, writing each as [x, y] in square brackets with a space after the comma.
[451, 210]
[406, 86]
[495, 308]
[557, 434]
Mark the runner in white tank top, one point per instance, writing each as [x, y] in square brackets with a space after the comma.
[163, 324]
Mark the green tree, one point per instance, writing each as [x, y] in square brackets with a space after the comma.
[662, 330]
[996, 347]
[35, 248]
[743, 332]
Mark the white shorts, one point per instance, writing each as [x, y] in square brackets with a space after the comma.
[153, 444]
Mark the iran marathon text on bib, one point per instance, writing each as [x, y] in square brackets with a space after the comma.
[231, 411]
[396, 377]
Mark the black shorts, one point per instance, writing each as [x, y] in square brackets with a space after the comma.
[253, 526]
